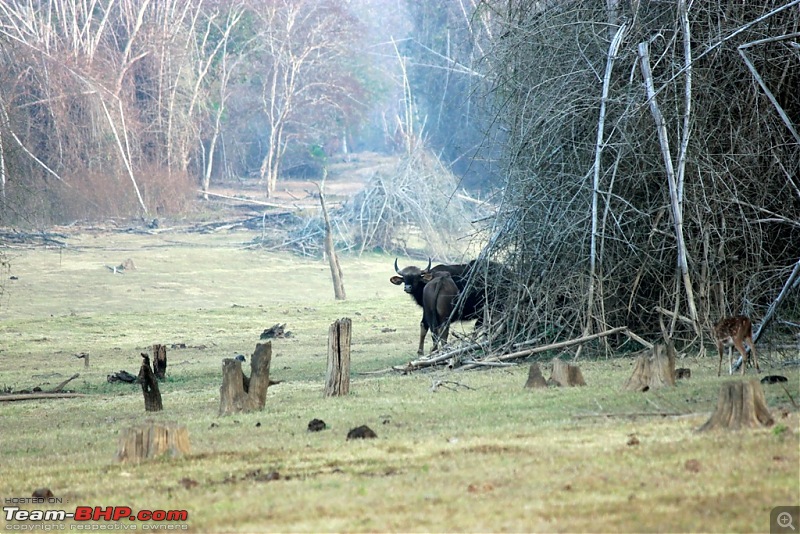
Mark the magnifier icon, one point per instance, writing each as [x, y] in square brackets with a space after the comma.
[785, 520]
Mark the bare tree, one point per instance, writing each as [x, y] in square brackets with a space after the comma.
[226, 67]
[300, 42]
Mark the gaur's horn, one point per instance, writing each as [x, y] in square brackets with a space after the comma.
[428, 268]
[396, 269]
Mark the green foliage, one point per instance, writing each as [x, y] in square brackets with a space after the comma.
[780, 430]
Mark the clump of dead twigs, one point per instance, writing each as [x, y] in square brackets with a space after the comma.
[652, 159]
[417, 205]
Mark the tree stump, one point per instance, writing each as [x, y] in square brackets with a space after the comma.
[740, 404]
[535, 377]
[653, 369]
[152, 395]
[152, 440]
[240, 393]
[565, 374]
[337, 379]
[160, 361]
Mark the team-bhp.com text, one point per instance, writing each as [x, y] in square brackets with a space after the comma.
[87, 518]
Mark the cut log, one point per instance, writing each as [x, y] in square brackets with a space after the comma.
[535, 377]
[152, 395]
[337, 379]
[740, 404]
[565, 374]
[153, 440]
[160, 361]
[653, 369]
[240, 393]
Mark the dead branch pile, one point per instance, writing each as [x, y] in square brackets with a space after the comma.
[413, 209]
[12, 238]
[652, 159]
[476, 353]
[415, 206]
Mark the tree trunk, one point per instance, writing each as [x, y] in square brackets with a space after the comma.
[567, 375]
[330, 250]
[653, 369]
[152, 396]
[152, 440]
[599, 145]
[240, 393]
[337, 380]
[535, 378]
[676, 194]
[740, 404]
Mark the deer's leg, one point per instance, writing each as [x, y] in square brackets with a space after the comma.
[753, 352]
[740, 348]
[730, 360]
[719, 367]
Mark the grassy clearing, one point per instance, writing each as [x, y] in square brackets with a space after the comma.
[493, 457]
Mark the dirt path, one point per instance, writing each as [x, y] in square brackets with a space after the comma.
[345, 179]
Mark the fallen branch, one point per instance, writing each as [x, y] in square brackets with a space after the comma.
[630, 414]
[677, 316]
[638, 339]
[248, 200]
[448, 384]
[410, 366]
[561, 344]
[59, 387]
[33, 396]
[499, 359]
[478, 363]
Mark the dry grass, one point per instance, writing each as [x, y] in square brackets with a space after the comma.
[494, 457]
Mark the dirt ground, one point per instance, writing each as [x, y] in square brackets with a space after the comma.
[345, 179]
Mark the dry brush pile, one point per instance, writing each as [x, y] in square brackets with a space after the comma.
[415, 209]
[653, 164]
[417, 205]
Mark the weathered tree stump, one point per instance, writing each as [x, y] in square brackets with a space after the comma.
[152, 440]
[565, 374]
[337, 379]
[160, 361]
[85, 357]
[653, 369]
[240, 393]
[152, 395]
[535, 377]
[740, 404]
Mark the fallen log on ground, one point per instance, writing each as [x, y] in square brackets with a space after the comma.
[35, 396]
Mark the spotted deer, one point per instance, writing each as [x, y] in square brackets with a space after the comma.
[734, 332]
